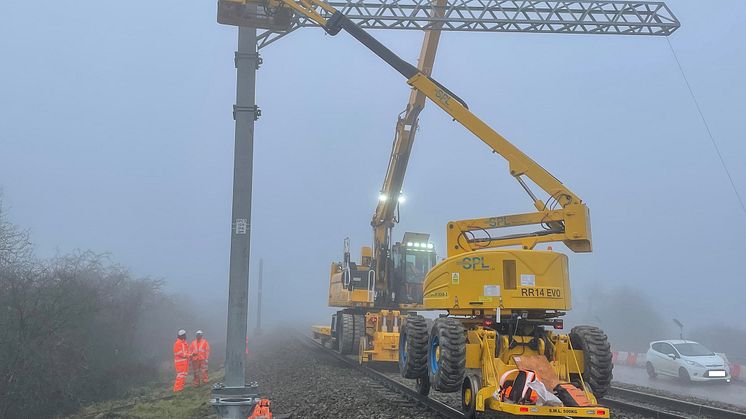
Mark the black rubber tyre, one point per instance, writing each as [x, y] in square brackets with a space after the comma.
[358, 332]
[423, 385]
[596, 357]
[469, 390]
[345, 333]
[446, 355]
[335, 332]
[684, 376]
[650, 370]
[413, 347]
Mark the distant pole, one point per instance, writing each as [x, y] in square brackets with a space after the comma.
[234, 399]
[259, 300]
[681, 328]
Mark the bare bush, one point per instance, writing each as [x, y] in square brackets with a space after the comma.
[75, 329]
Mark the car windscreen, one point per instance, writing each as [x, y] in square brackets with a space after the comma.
[692, 349]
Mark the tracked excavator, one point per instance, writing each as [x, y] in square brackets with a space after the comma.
[499, 344]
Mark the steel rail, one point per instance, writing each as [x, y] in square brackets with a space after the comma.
[629, 400]
[649, 405]
[395, 386]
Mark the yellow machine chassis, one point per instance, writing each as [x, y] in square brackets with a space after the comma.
[322, 333]
[382, 333]
[480, 350]
[521, 410]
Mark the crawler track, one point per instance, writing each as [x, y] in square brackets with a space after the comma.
[409, 394]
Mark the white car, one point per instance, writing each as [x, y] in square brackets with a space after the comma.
[686, 360]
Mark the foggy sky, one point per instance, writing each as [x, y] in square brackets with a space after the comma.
[116, 135]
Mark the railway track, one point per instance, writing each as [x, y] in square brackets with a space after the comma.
[623, 402]
[655, 406]
[410, 395]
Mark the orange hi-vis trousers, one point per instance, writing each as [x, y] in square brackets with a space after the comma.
[182, 371]
[199, 368]
[200, 352]
[181, 363]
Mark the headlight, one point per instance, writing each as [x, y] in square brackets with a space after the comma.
[693, 363]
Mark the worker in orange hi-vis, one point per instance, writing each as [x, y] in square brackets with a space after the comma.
[200, 350]
[181, 360]
[261, 410]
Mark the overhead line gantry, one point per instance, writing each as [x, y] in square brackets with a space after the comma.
[521, 16]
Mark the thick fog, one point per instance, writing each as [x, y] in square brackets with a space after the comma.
[116, 135]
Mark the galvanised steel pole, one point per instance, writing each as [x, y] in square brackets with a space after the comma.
[259, 300]
[245, 113]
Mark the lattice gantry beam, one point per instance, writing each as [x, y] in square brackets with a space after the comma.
[531, 16]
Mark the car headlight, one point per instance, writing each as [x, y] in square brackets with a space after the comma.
[693, 363]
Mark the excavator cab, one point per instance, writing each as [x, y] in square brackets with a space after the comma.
[413, 258]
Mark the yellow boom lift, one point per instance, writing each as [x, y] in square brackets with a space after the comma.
[504, 297]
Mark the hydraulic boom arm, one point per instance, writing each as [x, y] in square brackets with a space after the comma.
[385, 215]
[569, 223]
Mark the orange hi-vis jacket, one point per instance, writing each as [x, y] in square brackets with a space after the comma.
[181, 354]
[200, 349]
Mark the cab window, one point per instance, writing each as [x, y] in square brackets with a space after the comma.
[416, 265]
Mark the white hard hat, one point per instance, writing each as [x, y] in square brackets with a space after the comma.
[199, 332]
[182, 332]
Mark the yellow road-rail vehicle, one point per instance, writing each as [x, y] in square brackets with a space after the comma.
[504, 298]
[368, 324]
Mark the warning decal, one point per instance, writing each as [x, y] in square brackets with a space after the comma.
[528, 280]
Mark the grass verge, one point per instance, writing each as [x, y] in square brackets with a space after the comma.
[156, 401]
